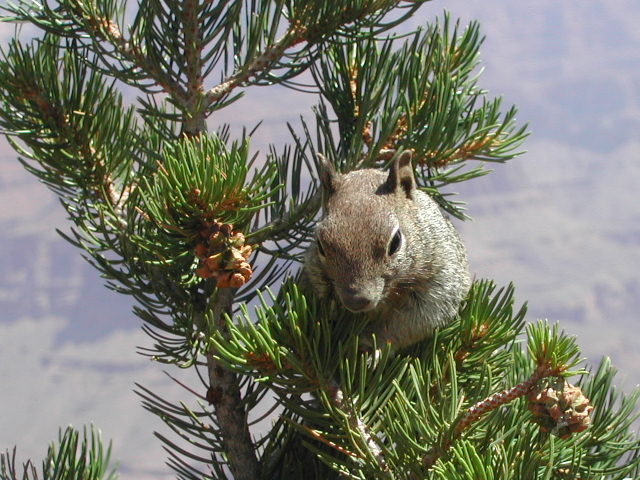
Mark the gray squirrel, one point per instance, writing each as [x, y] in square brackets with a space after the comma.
[384, 248]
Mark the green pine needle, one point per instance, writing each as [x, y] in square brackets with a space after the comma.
[74, 457]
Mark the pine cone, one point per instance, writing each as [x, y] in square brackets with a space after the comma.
[560, 408]
[223, 255]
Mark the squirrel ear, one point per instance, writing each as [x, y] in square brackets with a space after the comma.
[328, 176]
[401, 175]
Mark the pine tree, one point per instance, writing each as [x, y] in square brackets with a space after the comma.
[195, 225]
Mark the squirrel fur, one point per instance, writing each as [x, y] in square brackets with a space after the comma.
[384, 248]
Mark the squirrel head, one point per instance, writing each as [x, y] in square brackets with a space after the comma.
[362, 239]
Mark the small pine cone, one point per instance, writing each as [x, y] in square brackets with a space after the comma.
[215, 240]
[230, 280]
[204, 272]
[560, 408]
[223, 255]
[246, 251]
[578, 411]
[236, 261]
[236, 280]
[245, 271]
[201, 251]
[214, 262]
[237, 239]
[207, 229]
[226, 229]
[223, 280]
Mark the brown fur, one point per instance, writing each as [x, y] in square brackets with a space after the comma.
[406, 294]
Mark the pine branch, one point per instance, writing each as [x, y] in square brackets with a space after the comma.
[288, 350]
[171, 214]
[366, 440]
[257, 64]
[224, 390]
[309, 24]
[76, 160]
[289, 221]
[72, 458]
[224, 395]
[422, 96]
[200, 451]
[55, 117]
[193, 59]
[93, 24]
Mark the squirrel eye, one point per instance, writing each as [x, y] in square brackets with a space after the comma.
[396, 241]
[320, 247]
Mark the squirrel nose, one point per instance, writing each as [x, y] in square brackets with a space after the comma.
[357, 301]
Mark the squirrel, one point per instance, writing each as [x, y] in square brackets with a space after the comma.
[384, 248]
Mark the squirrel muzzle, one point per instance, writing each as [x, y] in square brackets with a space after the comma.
[360, 299]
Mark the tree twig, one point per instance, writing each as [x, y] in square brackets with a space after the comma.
[369, 441]
[258, 64]
[108, 31]
[193, 49]
[279, 226]
[224, 395]
[482, 407]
